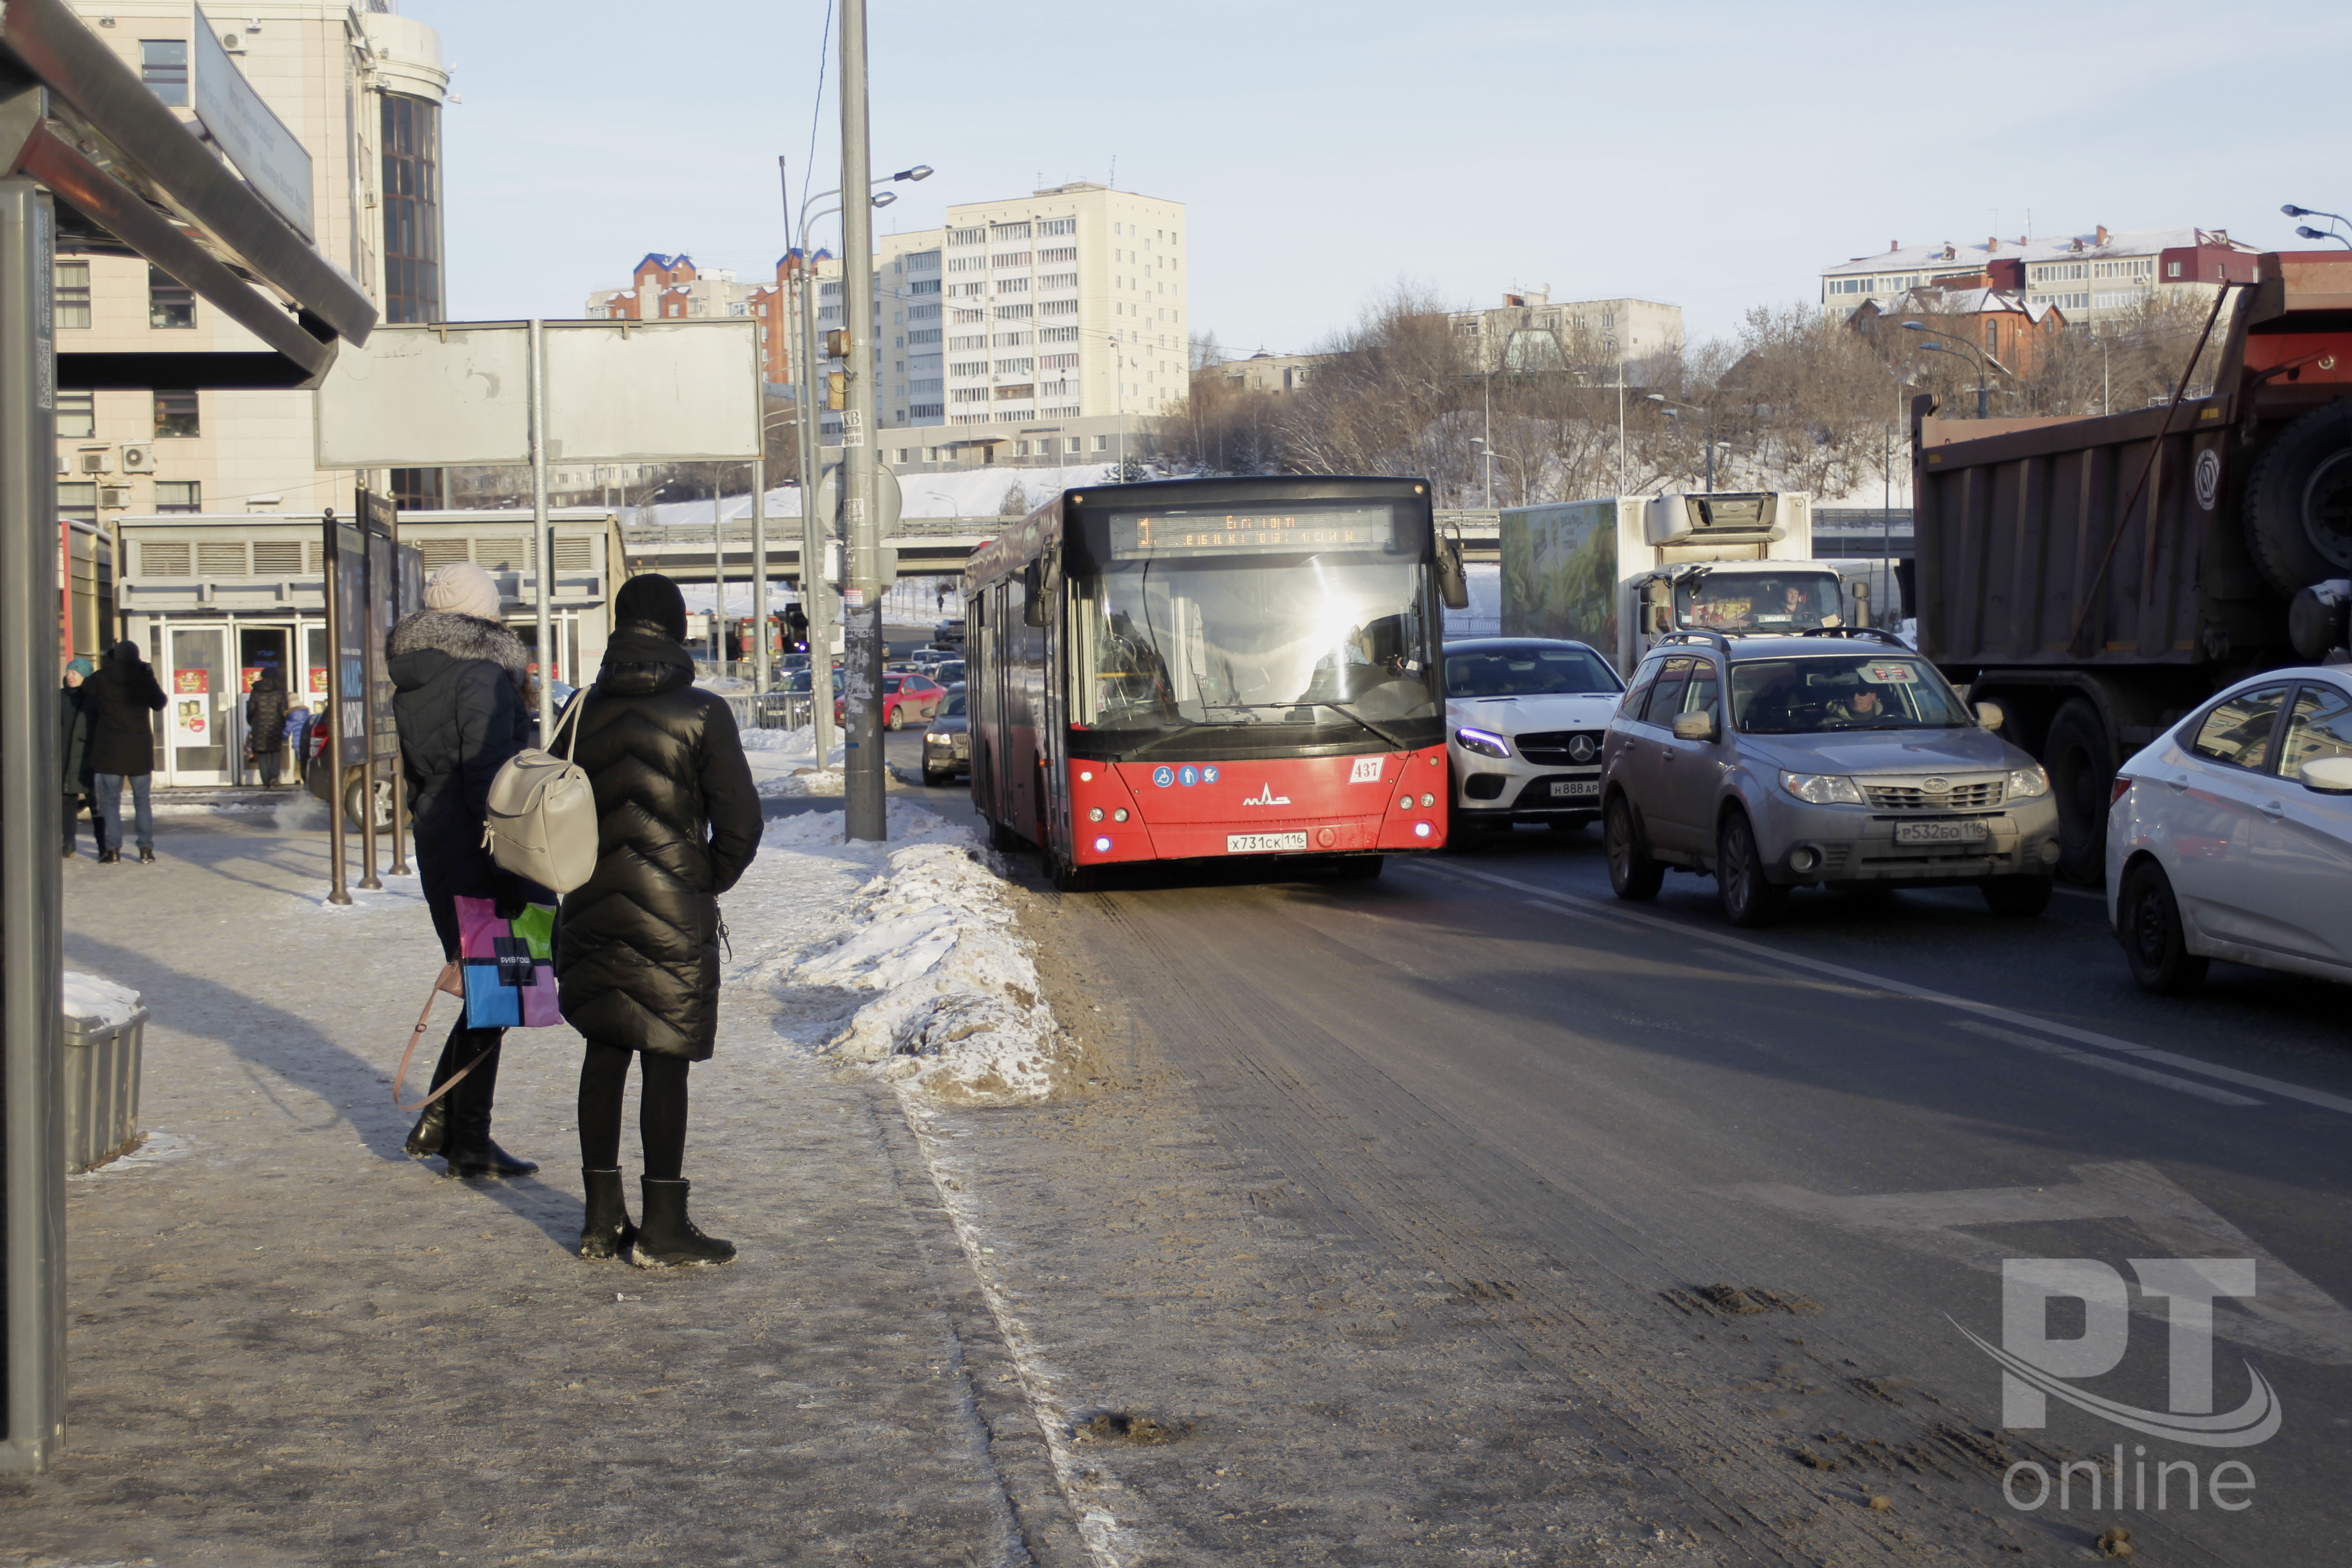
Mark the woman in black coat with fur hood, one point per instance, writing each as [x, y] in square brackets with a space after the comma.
[636, 955]
[460, 680]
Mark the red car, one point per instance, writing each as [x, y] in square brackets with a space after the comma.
[904, 699]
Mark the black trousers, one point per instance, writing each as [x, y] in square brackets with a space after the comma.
[661, 1110]
[470, 1102]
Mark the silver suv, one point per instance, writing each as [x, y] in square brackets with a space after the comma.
[1840, 756]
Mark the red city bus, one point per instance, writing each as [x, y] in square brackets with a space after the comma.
[1199, 668]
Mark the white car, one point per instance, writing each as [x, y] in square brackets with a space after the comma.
[1525, 718]
[2231, 835]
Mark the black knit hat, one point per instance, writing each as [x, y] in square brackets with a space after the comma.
[652, 599]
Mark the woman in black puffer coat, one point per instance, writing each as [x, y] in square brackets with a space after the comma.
[636, 955]
[459, 679]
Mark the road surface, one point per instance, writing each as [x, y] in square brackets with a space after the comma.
[1472, 1211]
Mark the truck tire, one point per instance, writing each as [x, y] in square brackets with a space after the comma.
[2297, 510]
[2081, 757]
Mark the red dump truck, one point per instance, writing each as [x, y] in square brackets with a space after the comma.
[2098, 578]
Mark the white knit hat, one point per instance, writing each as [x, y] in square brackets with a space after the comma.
[465, 589]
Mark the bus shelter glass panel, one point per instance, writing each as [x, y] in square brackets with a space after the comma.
[198, 687]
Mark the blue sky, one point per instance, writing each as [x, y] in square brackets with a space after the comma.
[1710, 155]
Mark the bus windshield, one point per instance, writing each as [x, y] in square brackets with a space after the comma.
[1341, 638]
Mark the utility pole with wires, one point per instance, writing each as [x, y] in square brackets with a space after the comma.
[863, 782]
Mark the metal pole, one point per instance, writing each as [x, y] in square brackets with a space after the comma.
[815, 592]
[338, 834]
[1710, 449]
[543, 547]
[862, 781]
[1620, 427]
[759, 559]
[32, 942]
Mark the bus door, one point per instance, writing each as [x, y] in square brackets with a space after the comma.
[998, 683]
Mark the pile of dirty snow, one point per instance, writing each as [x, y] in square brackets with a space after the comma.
[916, 969]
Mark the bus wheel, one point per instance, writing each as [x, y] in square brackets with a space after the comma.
[1002, 839]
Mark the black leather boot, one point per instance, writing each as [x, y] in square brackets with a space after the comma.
[431, 1133]
[668, 1239]
[606, 1233]
[469, 1150]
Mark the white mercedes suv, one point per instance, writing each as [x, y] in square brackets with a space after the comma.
[1525, 718]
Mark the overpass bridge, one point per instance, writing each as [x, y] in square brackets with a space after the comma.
[928, 546]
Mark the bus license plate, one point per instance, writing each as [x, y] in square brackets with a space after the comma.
[1263, 843]
[1941, 832]
[1575, 789]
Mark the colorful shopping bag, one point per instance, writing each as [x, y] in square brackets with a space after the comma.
[509, 966]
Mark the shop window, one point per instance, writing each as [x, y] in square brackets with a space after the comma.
[170, 302]
[175, 414]
[179, 496]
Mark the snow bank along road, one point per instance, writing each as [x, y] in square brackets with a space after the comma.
[1473, 1215]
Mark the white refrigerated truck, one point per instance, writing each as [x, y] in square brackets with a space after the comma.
[1621, 572]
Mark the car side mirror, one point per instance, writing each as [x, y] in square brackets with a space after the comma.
[2328, 775]
[1989, 715]
[1693, 726]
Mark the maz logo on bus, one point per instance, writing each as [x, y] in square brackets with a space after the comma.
[1265, 796]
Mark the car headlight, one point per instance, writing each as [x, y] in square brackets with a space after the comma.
[935, 739]
[2028, 782]
[1483, 744]
[1822, 789]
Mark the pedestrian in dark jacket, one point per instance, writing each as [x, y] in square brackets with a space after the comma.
[458, 702]
[123, 748]
[637, 956]
[73, 748]
[265, 724]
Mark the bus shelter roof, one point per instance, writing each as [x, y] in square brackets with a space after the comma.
[131, 178]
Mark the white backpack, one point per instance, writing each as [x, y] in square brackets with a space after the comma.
[541, 820]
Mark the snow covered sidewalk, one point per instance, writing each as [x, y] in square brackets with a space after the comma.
[290, 1343]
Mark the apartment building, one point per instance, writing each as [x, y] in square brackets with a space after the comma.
[1529, 332]
[1050, 327]
[361, 87]
[2092, 277]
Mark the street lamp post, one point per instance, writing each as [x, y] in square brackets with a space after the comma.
[1984, 361]
[1671, 406]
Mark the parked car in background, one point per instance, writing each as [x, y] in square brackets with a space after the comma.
[949, 633]
[946, 741]
[319, 779]
[907, 698]
[1524, 719]
[2231, 835]
[1839, 756]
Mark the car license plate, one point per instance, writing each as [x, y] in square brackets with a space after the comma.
[1263, 843]
[1941, 832]
[1575, 789]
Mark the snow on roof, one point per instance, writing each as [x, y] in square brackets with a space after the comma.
[2059, 248]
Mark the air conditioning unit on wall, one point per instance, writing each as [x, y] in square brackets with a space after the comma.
[138, 458]
[233, 42]
[114, 497]
[97, 460]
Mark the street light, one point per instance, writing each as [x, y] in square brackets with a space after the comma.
[1673, 404]
[2308, 232]
[1983, 359]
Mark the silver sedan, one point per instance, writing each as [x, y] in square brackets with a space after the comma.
[1774, 762]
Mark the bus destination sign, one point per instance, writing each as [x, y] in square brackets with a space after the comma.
[1136, 535]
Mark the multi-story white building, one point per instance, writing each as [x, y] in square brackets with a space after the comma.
[361, 87]
[1529, 332]
[2090, 276]
[1046, 327]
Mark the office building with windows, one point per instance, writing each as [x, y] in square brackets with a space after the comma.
[361, 86]
[1529, 332]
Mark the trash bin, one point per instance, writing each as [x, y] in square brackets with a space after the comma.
[105, 1032]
